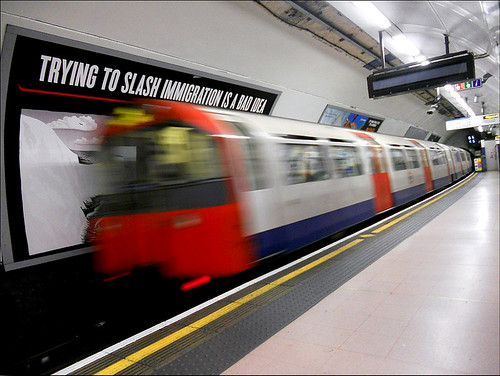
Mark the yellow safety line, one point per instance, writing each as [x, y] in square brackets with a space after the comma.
[392, 223]
[158, 345]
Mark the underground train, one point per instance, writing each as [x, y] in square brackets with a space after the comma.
[205, 192]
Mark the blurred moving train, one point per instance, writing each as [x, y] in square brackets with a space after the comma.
[207, 192]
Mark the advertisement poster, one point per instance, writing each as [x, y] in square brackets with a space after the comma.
[342, 118]
[59, 95]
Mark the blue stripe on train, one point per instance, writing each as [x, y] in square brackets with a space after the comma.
[406, 195]
[441, 182]
[298, 234]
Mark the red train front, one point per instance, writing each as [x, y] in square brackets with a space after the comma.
[171, 195]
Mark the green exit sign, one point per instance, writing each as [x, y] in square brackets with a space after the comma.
[468, 85]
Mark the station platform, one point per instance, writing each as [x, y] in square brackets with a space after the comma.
[417, 293]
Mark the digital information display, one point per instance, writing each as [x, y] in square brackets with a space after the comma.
[441, 70]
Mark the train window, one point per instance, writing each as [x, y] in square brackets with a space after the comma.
[381, 159]
[304, 163]
[436, 157]
[398, 159]
[254, 162]
[462, 155]
[444, 160]
[161, 155]
[376, 159]
[412, 158]
[346, 161]
[425, 159]
[371, 162]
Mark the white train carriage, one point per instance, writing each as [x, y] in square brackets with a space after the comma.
[453, 162]
[287, 184]
[406, 169]
[306, 182]
[465, 162]
[440, 168]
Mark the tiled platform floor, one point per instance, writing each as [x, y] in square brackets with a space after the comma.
[429, 306]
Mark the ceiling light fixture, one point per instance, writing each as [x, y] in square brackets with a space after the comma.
[422, 60]
[400, 41]
[404, 45]
[372, 13]
[460, 101]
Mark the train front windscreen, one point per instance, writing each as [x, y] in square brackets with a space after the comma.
[167, 201]
[159, 155]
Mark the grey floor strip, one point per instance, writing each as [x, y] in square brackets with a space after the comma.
[225, 347]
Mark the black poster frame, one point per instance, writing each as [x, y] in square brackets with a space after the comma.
[41, 71]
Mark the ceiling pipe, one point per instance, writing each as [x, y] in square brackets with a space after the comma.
[446, 44]
[331, 28]
[382, 50]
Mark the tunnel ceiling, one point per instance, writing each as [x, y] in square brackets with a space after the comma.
[325, 23]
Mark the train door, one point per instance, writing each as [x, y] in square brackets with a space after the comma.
[265, 211]
[427, 167]
[461, 155]
[447, 160]
[458, 164]
[306, 190]
[380, 177]
[453, 165]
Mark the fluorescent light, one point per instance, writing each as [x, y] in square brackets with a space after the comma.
[449, 88]
[404, 45]
[422, 60]
[373, 14]
[460, 101]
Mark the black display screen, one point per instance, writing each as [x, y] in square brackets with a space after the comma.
[440, 71]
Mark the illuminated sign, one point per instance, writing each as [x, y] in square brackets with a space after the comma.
[468, 85]
[474, 121]
[344, 118]
[478, 164]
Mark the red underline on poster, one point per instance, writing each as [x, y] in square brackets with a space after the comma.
[71, 95]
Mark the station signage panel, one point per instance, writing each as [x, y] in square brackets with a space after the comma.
[471, 122]
[469, 85]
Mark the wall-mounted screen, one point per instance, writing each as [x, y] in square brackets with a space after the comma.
[441, 70]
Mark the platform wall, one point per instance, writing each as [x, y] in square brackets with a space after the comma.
[235, 39]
